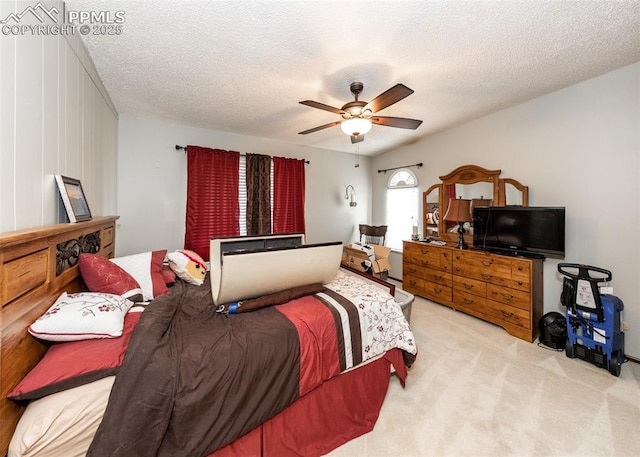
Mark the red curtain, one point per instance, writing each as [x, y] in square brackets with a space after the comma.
[213, 208]
[288, 195]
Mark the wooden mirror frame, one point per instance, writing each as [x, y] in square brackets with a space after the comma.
[427, 223]
[468, 174]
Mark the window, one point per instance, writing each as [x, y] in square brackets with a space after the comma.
[402, 207]
[223, 200]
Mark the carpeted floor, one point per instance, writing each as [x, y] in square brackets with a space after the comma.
[477, 391]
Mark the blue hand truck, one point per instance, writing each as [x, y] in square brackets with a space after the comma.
[593, 319]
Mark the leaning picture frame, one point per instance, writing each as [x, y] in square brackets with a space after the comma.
[73, 198]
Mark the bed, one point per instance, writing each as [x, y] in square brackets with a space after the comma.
[321, 402]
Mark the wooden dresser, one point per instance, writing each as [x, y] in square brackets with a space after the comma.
[503, 290]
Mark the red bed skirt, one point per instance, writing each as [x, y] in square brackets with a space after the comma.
[334, 413]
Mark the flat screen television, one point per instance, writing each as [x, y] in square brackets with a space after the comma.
[533, 231]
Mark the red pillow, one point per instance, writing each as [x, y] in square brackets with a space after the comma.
[101, 275]
[168, 275]
[74, 363]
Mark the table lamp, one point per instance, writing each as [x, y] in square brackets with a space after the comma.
[459, 211]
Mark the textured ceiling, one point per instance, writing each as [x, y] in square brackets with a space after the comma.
[243, 66]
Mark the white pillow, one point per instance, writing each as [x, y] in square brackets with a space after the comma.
[82, 316]
[146, 269]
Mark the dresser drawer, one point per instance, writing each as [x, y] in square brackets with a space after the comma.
[499, 311]
[512, 297]
[523, 284]
[482, 266]
[500, 276]
[437, 292]
[468, 285]
[412, 284]
[430, 257]
[468, 301]
[520, 268]
[437, 276]
[413, 270]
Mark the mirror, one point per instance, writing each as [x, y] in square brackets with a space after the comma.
[513, 193]
[478, 190]
[431, 212]
[470, 182]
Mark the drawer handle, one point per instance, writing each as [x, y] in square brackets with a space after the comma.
[457, 270]
[467, 301]
[438, 291]
[413, 283]
[506, 296]
[467, 286]
[520, 283]
[505, 314]
[487, 277]
[445, 255]
[424, 251]
[487, 264]
[438, 278]
[520, 268]
[424, 262]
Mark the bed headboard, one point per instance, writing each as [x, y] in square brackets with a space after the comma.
[36, 266]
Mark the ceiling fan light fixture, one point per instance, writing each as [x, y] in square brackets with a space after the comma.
[356, 126]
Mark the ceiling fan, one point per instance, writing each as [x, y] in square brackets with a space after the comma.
[357, 116]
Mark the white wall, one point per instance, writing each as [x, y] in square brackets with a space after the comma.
[579, 148]
[152, 183]
[55, 118]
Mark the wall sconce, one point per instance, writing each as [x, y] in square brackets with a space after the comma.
[351, 195]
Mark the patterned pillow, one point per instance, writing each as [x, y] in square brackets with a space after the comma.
[188, 265]
[82, 316]
[146, 269]
[101, 275]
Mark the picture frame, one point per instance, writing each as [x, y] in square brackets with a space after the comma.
[73, 198]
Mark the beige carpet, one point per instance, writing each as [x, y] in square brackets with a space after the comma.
[477, 391]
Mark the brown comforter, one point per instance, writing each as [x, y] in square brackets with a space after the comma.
[181, 390]
[194, 380]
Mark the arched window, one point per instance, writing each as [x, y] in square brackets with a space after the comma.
[402, 207]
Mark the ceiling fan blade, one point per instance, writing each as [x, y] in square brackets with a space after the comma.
[319, 105]
[389, 97]
[357, 138]
[400, 122]
[321, 127]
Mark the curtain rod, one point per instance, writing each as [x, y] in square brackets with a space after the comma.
[397, 168]
[178, 147]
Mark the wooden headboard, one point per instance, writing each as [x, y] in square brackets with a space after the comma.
[36, 266]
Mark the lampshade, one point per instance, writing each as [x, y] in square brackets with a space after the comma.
[459, 210]
[356, 126]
